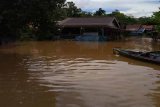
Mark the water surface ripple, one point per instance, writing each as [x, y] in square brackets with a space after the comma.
[77, 74]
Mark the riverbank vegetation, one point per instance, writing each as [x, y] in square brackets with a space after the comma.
[36, 19]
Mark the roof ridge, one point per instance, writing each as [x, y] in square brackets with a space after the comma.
[89, 21]
[64, 21]
[90, 17]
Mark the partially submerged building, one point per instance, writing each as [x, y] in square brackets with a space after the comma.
[138, 29]
[135, 29]
[148, 28]
[90, 28]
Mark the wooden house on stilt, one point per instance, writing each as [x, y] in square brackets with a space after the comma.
[90, 28]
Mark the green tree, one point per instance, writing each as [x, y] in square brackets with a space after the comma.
[124, 19]
[72, 10]
[146, 21]
[156, 18]
[100, 12]
[86, 14]
[37, 15]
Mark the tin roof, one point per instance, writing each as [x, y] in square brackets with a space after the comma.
[148, 27]
[134, 27]
[90, 21]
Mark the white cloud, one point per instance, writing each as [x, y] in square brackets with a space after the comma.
[136, 8]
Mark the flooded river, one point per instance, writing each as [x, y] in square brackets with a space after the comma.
[77, 74]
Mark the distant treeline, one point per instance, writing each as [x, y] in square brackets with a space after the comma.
[36, 19]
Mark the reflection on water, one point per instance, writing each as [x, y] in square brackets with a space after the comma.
[77, 74]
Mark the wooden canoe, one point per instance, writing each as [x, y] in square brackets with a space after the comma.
[150, 57]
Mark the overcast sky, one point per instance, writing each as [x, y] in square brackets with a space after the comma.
[137, 8]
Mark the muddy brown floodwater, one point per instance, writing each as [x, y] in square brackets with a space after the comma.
[77, 74]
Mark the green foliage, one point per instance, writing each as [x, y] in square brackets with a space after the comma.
[158, 28]
[86, 14]
[100, 12]
[71, 10]
[26, 34]
[16, 15]
[154, 20]
[146, 21]
[124, 19]
[156, 16]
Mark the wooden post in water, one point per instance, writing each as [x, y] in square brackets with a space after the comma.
[155, 36]
[102, 31]
[81, 30]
